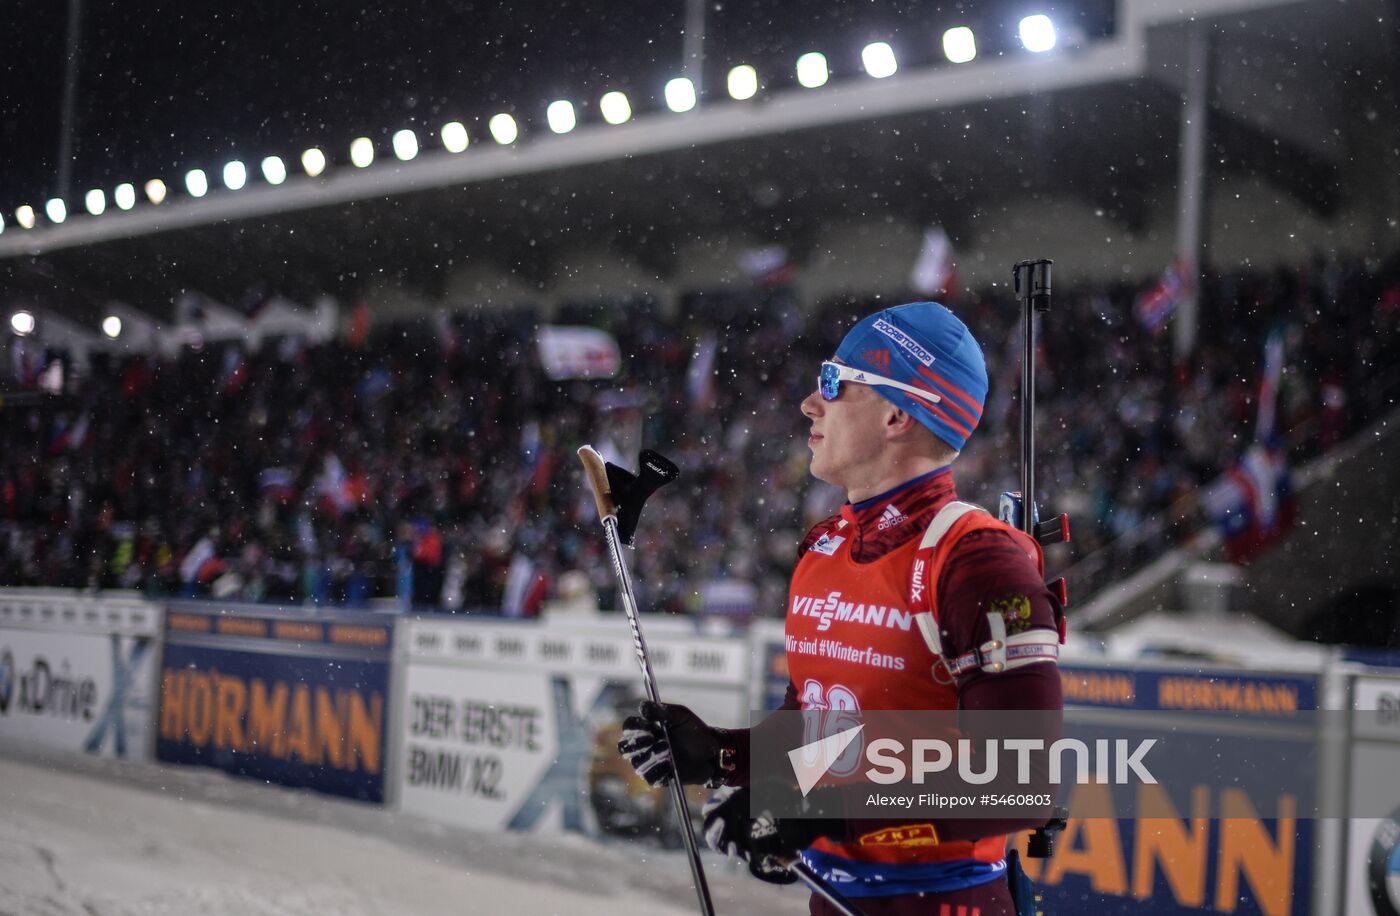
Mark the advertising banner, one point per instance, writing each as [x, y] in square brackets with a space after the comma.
[291, 698]
[1235, 845]
[78, 675]
[516, 726]
[1277, 697]
[604, 650]
[1373, 843]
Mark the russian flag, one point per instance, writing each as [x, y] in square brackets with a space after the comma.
[767, 266]
[68, 437]
[1155, 306]
[1253, 503]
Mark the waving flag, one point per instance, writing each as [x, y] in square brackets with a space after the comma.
[768, 265]
[569, 352]
[234, 372]
[278, 483]
[700, 376]
[933, 272]
[1268, 386]
[1253, 502]
[1155, 306]
[68, 436]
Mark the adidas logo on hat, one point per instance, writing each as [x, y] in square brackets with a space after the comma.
[879, 360]
[924, 345]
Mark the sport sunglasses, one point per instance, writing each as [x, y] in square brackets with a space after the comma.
[833, 374]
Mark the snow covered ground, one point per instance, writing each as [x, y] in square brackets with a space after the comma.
[116, 838]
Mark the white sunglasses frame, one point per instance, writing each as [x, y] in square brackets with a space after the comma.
[846, 373]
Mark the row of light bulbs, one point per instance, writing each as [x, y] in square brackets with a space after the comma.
[23, 323]
[1037, 34]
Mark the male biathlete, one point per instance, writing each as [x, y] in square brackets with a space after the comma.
[891, 412]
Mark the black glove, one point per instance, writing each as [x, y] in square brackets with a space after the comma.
[702, 754]
[768, 844]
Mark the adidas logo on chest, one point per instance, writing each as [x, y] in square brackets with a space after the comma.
[891, 517]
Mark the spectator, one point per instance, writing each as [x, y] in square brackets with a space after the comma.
[307, 473]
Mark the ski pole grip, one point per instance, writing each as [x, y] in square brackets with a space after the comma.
[597, 473]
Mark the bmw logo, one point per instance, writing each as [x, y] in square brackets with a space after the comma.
[1383, 866]
[7, 680]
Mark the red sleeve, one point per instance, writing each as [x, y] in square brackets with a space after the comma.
[987, 571]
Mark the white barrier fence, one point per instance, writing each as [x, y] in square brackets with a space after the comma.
[501, 725]
[493, 724]
[79, 673]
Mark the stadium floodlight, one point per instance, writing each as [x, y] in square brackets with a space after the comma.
[362, 152]
[503, 129]
[811, 70]
[454, 136]
[235, 175]
[680, 94]
[561, 116]
[1037, 33]
[112, 327]
[743, 82]
[24, 215]
[156, 191]
[274, 169]
[313, 161]
[959, 44]
[95, 201]
[196, 182]
[615, 107]
[125, 195]
[878, 59]
[405, 144]
[56, 209]
[22, 323]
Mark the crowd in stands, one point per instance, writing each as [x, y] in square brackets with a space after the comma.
[433, 466]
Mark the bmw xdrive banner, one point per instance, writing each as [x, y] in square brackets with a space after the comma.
[78, 679]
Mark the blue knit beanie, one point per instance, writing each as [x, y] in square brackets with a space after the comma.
[924, 345]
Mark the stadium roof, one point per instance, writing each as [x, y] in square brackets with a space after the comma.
[928, 144]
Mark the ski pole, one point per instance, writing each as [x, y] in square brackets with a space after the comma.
[816, 885]
[596, 470]
[656, 471]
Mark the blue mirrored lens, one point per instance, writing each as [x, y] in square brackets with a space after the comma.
[829, 382]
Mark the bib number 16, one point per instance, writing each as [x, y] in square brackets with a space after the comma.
[828, 711]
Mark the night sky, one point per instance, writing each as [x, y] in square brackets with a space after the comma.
[165, 87]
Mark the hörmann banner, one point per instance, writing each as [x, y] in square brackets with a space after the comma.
[516, 725]
[294, 698]
[78, 673]
[1232, 845]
